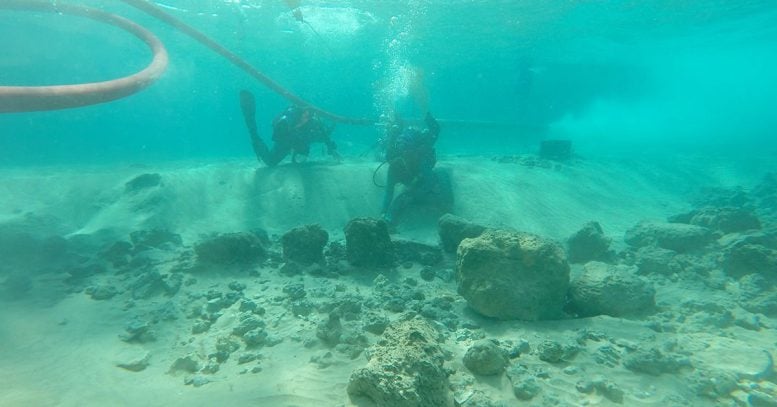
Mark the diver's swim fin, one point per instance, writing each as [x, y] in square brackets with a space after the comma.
[248, 105]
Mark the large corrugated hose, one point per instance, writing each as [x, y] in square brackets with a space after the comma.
[38, 98]
[236, 60]
[35, 98]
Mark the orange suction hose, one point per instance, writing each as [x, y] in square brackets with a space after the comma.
[38, 98]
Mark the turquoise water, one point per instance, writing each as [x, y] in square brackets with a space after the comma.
[130, 230]
[607, 75]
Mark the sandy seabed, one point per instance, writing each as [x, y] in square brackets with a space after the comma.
[64, 345]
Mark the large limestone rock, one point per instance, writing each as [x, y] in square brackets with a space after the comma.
[726, 220]
[305, 244]
[616, 291]
[743, 258]
[588, 243]
[368, 244]
[453, 230]
[751, 253]
[679, 237]
[512, 275]
[405, 369]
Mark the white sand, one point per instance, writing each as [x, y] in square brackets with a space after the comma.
[60, 349]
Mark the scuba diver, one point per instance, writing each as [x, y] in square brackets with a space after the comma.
[411, 157]
[293, 131]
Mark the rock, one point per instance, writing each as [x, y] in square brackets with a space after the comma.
[742, 257]
[138, 331]
[368, 244]
[305, 244]
[428, 274]
[737, 357]
[711, 383]
[141, 182]
[726, 219]
[147, 285]
[226, 346]
[352, 344]
[485, 358]
[196, 380]
[236, 286]
[763, 303]
[477, 398]
[102, 292]
[655, 260]
[761, 399]
[607, 355]
[188, 364]
[347, 306]
[155, 238]
[375, 323]
[609, 390]
[588, 243]
[246, 357]
[256, 337]
[512, 275]
[766, 237]
[247, 322]
[673, 236]
[525, 388]
[585, 386]
[201, 326]
[231, 249]
[554, 352]
[172, 283]
[118, 254]
[653, 361]
[302, 307]
[219, 302]
[453, 229]
[520, 347]
[749, 320]
[409, 251]
[295, 291]
[720, 197]
[133, 360]
[405, 369]
[247, 306]
[616, 291]
[330, 331]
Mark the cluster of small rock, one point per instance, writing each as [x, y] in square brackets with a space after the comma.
[407, 331]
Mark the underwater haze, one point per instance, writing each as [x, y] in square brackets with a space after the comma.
[522, 202]
[605, 74]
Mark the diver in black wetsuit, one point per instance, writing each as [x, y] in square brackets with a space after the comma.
[411, 157]
[293, 131]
